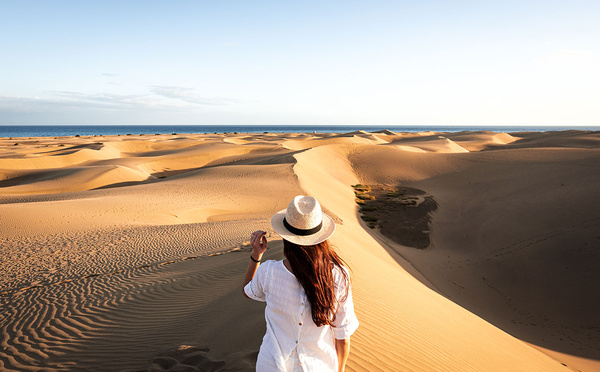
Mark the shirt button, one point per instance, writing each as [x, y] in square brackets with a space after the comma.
[296, 341]
[299, 323]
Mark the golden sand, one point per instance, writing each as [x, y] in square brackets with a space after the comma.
[128, 252]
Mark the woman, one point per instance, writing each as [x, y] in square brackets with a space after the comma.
[309, 313]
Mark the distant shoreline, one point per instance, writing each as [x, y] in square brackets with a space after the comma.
[7, 131]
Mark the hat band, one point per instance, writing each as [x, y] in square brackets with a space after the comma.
[302, 232]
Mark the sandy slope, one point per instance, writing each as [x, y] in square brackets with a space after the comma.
[120, 249]
[397, 308]
[522, 255]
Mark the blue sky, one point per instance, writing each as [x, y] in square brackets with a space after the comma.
[292, 62]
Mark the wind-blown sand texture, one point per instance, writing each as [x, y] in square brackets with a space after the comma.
[128, 252]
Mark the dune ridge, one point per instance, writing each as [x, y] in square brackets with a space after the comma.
[127, 252]
[390, 306]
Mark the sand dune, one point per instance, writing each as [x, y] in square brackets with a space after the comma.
[58, 159]
[477, 141]
[391, 297]
[127, 252]
[520, 255]
[337, 140]
[146, 147]
[568, 139]
[52, 181]
[432, 144]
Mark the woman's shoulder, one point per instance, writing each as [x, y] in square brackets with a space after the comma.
[341, 275]
[269, 265]
[269, 262]
[340, 270]
[275, 272]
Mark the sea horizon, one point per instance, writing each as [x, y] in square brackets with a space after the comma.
[9, 131]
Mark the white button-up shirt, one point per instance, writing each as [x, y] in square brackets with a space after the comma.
[293, 341]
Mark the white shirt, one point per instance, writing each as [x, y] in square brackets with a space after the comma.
[292, 336]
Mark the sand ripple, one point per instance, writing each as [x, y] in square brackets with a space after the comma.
[122, 252]
[89, 317]
[52, 259]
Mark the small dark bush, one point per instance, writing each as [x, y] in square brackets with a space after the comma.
[367, 208]
[368, 218]
[363, 188]
[365, 196]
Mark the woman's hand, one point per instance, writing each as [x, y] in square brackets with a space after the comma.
[258, 239]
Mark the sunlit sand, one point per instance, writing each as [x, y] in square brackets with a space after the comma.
[128, 252]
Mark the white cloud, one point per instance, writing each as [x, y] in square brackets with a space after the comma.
[165, 98]
[99, 100]
[188, 95]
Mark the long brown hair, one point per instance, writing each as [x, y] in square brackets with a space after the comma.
[313, 267]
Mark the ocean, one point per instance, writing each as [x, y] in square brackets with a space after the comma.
[101, 130]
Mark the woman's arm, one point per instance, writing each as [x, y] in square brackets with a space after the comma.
[342, 348]
[258, 240]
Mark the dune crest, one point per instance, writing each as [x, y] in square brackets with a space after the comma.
[396, 289]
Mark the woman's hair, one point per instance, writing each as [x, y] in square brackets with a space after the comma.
[313, 267]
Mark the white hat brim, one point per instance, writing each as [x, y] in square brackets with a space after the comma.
[327, 229]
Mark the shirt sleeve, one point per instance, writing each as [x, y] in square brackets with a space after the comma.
[254, 289]
[346, 322]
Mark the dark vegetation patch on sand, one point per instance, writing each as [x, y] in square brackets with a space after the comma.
[402, 214]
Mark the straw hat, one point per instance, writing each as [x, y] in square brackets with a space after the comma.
[302, 222]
